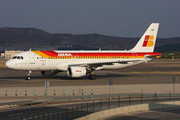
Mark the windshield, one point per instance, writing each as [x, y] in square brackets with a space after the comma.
[18, 57]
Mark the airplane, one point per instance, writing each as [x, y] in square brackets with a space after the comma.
[80, 63]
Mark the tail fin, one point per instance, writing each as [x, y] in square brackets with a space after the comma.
[148, 40]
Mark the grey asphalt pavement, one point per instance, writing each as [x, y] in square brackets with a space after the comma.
[153, 72]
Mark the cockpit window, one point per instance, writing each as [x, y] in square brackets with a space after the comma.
[18, 57]
[14, 57]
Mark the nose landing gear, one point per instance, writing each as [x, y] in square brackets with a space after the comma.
[28, 75]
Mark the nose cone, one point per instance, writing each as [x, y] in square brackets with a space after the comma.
[9, 64]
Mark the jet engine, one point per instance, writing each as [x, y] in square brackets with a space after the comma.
[49, 73]
[75, 72]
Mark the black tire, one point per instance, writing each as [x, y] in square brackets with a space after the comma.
[90, 77]
[93, 77]
[28, 78]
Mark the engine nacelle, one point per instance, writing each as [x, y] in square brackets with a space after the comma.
[75, 72]
[49, 73]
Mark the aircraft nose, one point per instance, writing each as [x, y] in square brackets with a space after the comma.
[9, 64]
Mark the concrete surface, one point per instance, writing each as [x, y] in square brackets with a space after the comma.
[97, 90]
[131, 109]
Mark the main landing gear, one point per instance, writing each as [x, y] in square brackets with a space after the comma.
[28, 75]
[92, 76]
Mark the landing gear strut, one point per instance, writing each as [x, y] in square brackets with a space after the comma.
[28, 75]
[92, 76]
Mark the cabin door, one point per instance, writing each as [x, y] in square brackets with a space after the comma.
[134, 55]
[32, 58]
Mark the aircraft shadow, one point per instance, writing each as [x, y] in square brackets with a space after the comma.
[62, 77]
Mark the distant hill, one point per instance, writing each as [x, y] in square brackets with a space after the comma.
[168, 47]
[26, 38]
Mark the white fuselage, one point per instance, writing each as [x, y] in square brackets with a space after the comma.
[32, 61]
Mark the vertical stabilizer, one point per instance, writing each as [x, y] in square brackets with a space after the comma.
[148, 40]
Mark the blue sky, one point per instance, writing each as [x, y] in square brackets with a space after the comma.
[121, 18]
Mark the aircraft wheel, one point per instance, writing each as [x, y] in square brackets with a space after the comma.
[28, 78]
[90, 76]
[93, 77]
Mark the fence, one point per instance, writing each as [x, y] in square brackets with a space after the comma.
[96, 89]
[25, 92]
[94, 103]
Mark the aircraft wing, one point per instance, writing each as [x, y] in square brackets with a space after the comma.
[100, 64]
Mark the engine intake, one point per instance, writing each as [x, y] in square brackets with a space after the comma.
[75, 72]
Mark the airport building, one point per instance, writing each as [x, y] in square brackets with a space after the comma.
[10, 53]
[2, 55]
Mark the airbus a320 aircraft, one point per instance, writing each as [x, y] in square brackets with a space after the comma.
[81, 63]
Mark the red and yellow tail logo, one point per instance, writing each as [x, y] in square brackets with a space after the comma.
[148, 41]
